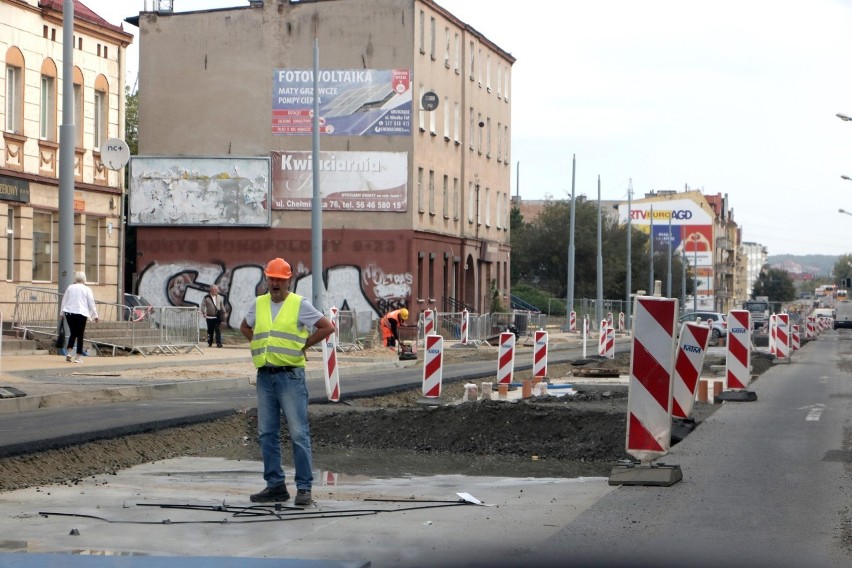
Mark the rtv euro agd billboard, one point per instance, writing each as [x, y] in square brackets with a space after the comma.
[690, 229]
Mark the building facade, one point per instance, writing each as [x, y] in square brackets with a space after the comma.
[32, 112]
[415, 119]
[756, 256]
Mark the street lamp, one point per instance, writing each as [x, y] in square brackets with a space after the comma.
[843, 117]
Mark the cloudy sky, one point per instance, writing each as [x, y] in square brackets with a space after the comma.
[731, 97]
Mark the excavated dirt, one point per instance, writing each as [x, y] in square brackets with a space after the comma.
[392, 435]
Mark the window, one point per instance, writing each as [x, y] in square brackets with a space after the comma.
[499, 142]
[422, 31]
[100, 112]
[420, 189]
[432, 38]
[14, 99]
[446, 118]
[99, 116]
[78, 107]
[499, 205]
[506, 145]
[506, 86]
[432, 120]
[488, 72]
[446, 197]
[487, 207]
[471, 202]
[10, 244]
[471, 130]
[93, 264]
[421, 112]
[488, 137]
[457, 63]
[456, 199]
[431, 192]
[479, 133]
[456, 122]
[499, 80]
[42, 247]
[472, 61]
[507, 211]
[479, 61]
[47, 110]
[447, 48]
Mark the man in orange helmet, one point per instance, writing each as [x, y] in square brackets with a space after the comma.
[390, 326]
[281, 325]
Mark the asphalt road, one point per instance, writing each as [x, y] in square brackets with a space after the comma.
[765, 483]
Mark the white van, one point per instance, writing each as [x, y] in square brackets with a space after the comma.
[843, 314]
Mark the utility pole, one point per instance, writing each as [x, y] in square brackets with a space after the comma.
[569, 290]
[651, 272]
[316, 204]
[669, 271]
[66, 152]
[629, 285]
[599, 302]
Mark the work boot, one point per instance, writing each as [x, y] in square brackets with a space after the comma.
[271, 495]
[303, 498]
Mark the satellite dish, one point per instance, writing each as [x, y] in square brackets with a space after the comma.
[429, 100]
[115, 153]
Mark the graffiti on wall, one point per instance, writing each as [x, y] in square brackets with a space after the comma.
[345, 286]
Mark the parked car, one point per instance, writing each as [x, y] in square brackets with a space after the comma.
[718, 319]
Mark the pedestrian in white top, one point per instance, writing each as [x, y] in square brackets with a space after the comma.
[78, 306]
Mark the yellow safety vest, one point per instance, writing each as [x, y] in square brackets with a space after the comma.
[278, 343]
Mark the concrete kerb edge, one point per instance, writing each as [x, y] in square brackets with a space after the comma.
[124, 393]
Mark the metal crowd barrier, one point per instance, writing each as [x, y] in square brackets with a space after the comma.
[165, 330]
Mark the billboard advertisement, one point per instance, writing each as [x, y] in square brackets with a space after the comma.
[353, 102]
[199, 191]
[689, 227]
[349, 181]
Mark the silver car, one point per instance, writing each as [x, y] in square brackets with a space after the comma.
[719, 323]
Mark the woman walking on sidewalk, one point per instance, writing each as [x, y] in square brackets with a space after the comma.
[78, 305]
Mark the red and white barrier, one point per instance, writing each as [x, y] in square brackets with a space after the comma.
[621, 322]
[428, 322]
[773, 329]
[810, 327]
[572, 321]
[433, 366]
[689, 359]
[506, 358]
[465, 322]
[610, 342]
[609, 320]
[649, 402]
[602, 338]
[332, 315]
[540, 354]
[738, 356]
[331, 371]
[585, 333]
[795, 340]
[782, 336]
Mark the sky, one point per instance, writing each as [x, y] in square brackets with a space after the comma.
[731, 97]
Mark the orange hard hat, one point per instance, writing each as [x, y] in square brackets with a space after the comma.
[278, 268]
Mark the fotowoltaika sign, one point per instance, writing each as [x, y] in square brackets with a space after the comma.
[352, 102]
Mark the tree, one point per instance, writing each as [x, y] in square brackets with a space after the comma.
[842, 269]
[540, 251]
[131, 120]
[776, 284]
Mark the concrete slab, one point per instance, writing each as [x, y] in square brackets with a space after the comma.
[199, 507]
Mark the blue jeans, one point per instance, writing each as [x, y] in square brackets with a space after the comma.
[276, 392]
